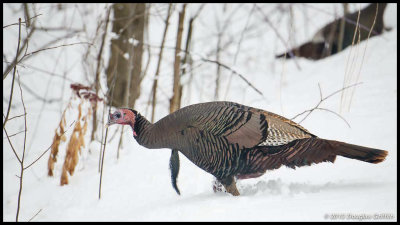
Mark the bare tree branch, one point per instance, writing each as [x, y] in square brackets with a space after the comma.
[235, 72]
[23, 153]
[64, 45]
[347, 71]
[12, 147]
[15, 60]
[37, 159]
[97, 75]
[362, 60]
[13, 79]
[14, 134]
[34, 215]
[309, 111]
[204, 59]
[103, 152]
[13, 24]
[26, 87]
[278, 35]
[111, 91]
[238, 48]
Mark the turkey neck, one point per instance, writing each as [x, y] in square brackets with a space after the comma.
[147, 133]
[143, 129]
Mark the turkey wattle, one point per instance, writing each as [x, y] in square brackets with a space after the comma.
[233, 141]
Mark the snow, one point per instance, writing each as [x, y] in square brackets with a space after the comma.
[136, 186]
[133, 41]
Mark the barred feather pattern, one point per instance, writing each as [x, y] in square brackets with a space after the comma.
[297, 153]
[214, 135]
[228, 139]
[283, 131]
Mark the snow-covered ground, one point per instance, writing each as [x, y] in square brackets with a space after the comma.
[136, 187]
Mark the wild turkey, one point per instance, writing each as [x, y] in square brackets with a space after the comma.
[231, 140]
[318, 47]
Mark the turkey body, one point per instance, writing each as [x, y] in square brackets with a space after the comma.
[230, 140]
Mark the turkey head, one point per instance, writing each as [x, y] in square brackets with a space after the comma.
[123, 117]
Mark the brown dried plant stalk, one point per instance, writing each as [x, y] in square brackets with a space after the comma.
[58, 138]
[76, 141]
[74, 146]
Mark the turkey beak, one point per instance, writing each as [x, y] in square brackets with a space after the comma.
[110, 121]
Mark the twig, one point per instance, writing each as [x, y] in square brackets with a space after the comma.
[48, 148]
[44, 100]
[15, 117]
[278, 35]
[12, 147]
[362, 60]
[120, 142]
[26, 12]
[97, 75]
[105, 138]
[14, 134]
[102, 158]
[347, 71]
[21, 22]
[190, 60]
[34, 215]
[337, 114]
[49, 73]
[198, 11]
[23, 153]
[110, 99]
[64, 45]
[112, 137]
[15, 60]
[146, 35]
[46, 29]
[238, 48]
[309, 111]
[235, 72]
[204, 59]
[13, 79]
[46, 92]
[220, 32]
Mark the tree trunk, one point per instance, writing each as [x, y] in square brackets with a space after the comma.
[126, 52]
[154, 89]
[175, 101]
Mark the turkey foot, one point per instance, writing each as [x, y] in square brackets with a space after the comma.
[217, 186]
[230, 185]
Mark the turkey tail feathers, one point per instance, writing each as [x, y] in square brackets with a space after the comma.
[365, 154]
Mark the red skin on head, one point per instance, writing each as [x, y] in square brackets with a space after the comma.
[127, 118]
